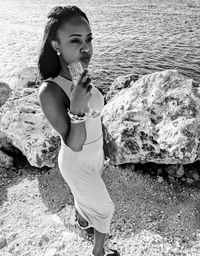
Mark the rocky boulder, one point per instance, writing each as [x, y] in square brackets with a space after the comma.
[24, 125]
[5, 160]
[6, 145]
[5, 92]
[27, 77]
[121, 82]
[155, 119]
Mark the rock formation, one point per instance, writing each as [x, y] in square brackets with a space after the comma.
[25, 126]
[155, 119]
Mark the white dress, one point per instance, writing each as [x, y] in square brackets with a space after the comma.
[82, 170]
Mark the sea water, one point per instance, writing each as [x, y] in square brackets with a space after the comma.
[130, 37]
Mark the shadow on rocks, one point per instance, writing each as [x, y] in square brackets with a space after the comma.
[3, 194]
[185, 175]
[11, 175]
[54, 190]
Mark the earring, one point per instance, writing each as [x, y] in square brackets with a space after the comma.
[85, 50]
[58, 53]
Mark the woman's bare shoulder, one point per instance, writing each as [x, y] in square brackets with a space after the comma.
[50, 88]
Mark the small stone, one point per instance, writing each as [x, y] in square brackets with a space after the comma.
[171, 169]
[19, 173]
[190, 181]
[51, 252]
[192, 173]
[27, 253]
[3, 241]
[180, 171]
[160, 170]
[160, 179]
[171, 178]
[177, 241]
[196, 176]
[12, 236]
[44, 238]
[11, 248]
[14, 169]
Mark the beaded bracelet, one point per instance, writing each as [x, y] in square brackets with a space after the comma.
[75, 118]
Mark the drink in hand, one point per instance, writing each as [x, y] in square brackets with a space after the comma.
[76, 71]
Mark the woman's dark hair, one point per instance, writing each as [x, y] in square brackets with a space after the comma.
[48, 61]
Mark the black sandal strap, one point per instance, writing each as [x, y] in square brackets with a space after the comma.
[111, 252]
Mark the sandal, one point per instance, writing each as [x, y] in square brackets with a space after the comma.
[86, 227]
[110, 252]
[89, 229]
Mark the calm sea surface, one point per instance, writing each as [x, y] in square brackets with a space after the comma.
[133, 36]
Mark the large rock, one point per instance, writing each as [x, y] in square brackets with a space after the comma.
[24, 124]
[6, 145]
[121, 82]
[27, 77]
[5, 92]
[156, 119]
[5, 160]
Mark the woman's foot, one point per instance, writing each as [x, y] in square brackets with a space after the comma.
[81, 220]
[83, 224]
[111, 252]
[108, 252]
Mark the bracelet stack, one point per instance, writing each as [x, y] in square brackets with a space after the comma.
[76, 118]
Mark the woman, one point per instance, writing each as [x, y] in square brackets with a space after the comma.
[67, 39]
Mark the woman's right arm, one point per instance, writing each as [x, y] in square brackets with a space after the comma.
[55, 109]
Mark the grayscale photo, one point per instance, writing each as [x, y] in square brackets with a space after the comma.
[100, 128]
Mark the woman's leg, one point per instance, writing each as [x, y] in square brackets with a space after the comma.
[91, 199]
[99, 239]
[98, 249]
[81, 220]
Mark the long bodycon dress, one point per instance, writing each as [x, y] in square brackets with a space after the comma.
[82, 170]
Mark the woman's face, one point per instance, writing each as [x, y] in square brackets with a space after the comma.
[75, 41]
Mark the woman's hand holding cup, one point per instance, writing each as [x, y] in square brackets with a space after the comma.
[81, 95]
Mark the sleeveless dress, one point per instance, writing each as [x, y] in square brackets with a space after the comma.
[82, 170]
